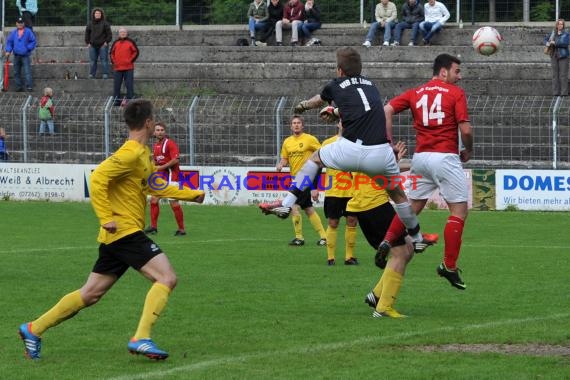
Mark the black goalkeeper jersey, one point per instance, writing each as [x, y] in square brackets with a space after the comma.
[360, 107]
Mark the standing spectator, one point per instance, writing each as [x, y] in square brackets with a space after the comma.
[436, 14]
[293, 16]
[339, 190]
[559, 39]
[3, 152]
[275, 12]
[258, 18]
[312, 22]
[296, 149]
[437, 159]
[98, 36]
[46, 112]
[21, 42]
[124, 53]
[167, 161]
[27, 10]
[386, 15]
[412, 16]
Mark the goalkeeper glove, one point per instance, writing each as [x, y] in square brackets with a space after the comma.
[301, 107]
[329, 114]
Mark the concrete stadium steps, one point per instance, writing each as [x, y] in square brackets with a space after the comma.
[300, 54]
[330, 34]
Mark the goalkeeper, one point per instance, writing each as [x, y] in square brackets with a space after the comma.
[365, 146]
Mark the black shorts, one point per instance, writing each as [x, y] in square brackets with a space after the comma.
[304, 199]
[335, 207]
[134, 250]
[375, 222]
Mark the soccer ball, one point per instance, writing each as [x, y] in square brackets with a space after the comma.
[487, 40]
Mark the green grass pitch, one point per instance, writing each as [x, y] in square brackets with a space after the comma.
[248, 306]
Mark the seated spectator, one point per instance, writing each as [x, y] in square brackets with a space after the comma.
[386, 15]
[412, 15]
[275, 13]
[258, 18]
[435, 15]
[312, 22]
[293, 16]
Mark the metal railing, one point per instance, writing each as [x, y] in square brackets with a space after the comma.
[510, 132]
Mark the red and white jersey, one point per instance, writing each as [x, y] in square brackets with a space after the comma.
[437, 108]
[165, 151]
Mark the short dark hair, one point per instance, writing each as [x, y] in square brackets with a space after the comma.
[296, 116]
[349, 61]
[161, 124]
[444, 61]
[137, 112]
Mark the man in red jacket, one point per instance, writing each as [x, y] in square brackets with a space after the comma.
[124, 53]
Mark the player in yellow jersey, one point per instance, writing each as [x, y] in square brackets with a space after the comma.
[296, 149]
[119, 187]
[338, 192]
[370, 204]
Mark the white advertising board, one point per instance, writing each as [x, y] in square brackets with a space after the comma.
[546, 190]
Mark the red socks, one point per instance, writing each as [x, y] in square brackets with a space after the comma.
[452, 234]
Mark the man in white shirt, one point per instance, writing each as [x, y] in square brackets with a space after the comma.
[436, 14]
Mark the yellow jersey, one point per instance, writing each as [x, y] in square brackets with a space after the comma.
[298, 149]
[119, 186]
[337, 183]
[367, 195]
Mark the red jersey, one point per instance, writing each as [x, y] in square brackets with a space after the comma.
[437, 108]
[165, 151]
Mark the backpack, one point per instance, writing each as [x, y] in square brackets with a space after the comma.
[242, 42]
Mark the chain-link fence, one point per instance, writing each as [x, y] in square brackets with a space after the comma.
[510, 132]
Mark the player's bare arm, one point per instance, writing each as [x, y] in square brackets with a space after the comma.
[282, 163]
[389, 111]
[110, 227]
[467, 140]
[169, 164]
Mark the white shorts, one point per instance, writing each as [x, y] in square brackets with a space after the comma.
[442, 171]
[372, 160]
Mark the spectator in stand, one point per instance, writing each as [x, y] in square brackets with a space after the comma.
[293, 16]
[386, 15]
[98, 36]
[275, 12]
[436, 14]
[21, 42]
[258, 18]
[46, 112]
[3, 153]
[124, 53]
[312, 22]
[559, 39]
[412, 16]
[27, 10]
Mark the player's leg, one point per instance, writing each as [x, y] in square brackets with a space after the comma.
[154, 213]
[317, 224]
[297, 221]
[304, 179]
[332, 228]
[453, 187]
[350, 238]
[152, 263]
[106, 271]
[179, 216]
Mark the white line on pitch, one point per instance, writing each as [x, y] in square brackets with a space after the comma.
[326, 347]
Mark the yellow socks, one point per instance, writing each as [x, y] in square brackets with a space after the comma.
[315, 220]
[390, 289]
[332, 235]
[154, 303]
[298, 226]
[67, 307]
[350, 240]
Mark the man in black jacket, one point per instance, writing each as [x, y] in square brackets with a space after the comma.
[275, 11]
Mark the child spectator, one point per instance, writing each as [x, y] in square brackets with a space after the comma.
[46, 112]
